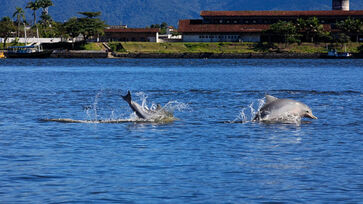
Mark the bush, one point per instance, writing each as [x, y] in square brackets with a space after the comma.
[116, 47]
[360, 49]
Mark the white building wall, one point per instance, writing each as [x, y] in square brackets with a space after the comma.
[221, 38]
[33, 40]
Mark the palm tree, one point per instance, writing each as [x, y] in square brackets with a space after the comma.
[34, 6]
[20, 16]
[45, 4]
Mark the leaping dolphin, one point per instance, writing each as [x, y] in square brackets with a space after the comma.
[279, 110]
[145, 113]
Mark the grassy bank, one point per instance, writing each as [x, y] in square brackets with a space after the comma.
[92, 46]
[227, 47]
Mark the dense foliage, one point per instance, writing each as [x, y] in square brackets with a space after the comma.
[88, 26]
[310, 30]
[6, 28]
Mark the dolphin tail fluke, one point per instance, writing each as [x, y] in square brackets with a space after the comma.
[127, 97]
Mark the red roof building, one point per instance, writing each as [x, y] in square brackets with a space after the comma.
[230, 26]
[132, 34]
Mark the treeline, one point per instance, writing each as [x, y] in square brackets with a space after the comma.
[88, 25]
[310, 30]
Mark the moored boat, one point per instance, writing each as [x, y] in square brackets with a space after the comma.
[337, 55]
[30, 51]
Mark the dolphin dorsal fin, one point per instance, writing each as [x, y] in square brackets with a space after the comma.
[270, 98]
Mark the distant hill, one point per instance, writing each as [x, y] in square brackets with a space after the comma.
[142, 13]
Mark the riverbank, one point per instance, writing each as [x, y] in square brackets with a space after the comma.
[225, 50]
[79, 54]
[203, 55]
[222, 50]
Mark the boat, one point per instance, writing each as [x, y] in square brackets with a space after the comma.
[34, 50]
[28, 51]
[338, 55]
[2, 55]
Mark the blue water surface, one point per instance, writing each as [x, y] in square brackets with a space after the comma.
[197, 159]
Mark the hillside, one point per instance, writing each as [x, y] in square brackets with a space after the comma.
[141, 13]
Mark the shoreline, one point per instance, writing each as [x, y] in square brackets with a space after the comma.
[206, 55]
[194, 55]
[197, 55]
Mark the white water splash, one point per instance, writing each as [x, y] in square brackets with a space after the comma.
[248, 113]
[92, 110]
[159, 113]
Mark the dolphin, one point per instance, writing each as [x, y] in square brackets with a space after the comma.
[144, 113]
[276, 109]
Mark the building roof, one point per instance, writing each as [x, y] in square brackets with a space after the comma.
[186, 27]
[280, 13]
[133, 30]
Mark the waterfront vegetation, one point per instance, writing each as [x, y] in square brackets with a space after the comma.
[230, 47]
[88, 25]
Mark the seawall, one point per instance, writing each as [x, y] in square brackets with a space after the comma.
[220, 55]
[79, 54]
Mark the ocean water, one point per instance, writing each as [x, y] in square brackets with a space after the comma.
[199, 158]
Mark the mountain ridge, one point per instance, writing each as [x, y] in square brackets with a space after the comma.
[142, 13]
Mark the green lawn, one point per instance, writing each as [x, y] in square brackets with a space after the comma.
[182, 47]
[93, 46]
[226, 47]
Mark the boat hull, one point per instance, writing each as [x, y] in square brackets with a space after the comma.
[42, 54]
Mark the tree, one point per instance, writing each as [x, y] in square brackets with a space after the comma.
[55, 29]
[20, 17]
[72, 27]
[45, 4]
[90, 25]
[163, 26]
[360, 49]
[34, 6]
[310, 28]
[90, 14]
[286, 30]
[6, 29]
[351, 27]
[155, 26]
